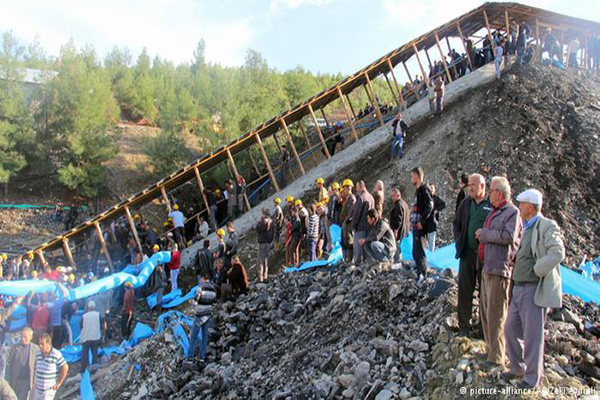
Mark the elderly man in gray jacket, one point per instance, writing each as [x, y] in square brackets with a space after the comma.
[498, 241]
[536, 288]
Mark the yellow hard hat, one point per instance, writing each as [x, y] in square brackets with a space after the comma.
[347, 182]
[61, 269]
[166, 224]
[4, 256]
[71, 278]
[277, 200]
[175, 207]
[290, 199]
[298, 202]
[34, 274]
[156, 247]
[30, 255]
[335, 186]
[221, 232]
[128, 284]
[320, 180]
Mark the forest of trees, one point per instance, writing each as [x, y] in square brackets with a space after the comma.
[69, 124]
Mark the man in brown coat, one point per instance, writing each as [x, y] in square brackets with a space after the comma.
[498, 241]
[399, 220]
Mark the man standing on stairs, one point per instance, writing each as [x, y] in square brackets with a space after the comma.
[439, 95]
[399, 220]
[398, 135]
[265, 230]
[364, 203]
[422, 220]
[174, 266]
[470, 216]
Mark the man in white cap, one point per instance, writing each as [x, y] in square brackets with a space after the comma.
[91, 334]
[536, 288]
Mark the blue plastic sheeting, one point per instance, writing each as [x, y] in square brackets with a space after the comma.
[172, 299]
[23, 287]
[141, 331]
[590, 268]
[85, 387]
[572, 282]
[168, 317]
[334, 257]
[18, 319]
[181, 338]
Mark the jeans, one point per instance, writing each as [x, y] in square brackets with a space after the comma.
[174, 274]
[498, 63]
[194, 338]
[311, 244]
[377, 251]
[431, 241]
[85, 353]
[126, 324]
[213, 217]
[419, 253]
[396, 147]
[359, 250]
[439, 104]
[520, 53]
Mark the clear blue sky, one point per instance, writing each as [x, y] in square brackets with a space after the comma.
[321, 35]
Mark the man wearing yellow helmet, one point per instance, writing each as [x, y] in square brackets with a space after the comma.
[278, 215]
[179, 224]
[323, 198]
[3, 258]
[347, 201]
[220, 250]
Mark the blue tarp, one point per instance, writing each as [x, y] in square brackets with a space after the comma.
[572, 282]
[172, 299]
[334, 257]
[166, 319]
[23, 287]
[85, 387]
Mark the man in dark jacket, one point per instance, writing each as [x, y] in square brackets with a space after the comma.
[204, 263]
[524, 33]
[347, 200]
[464, 182]
[20, 365]
[498, 241]
[380, 244]
[470, 216]
[399, 220]
[203, 305]
[422, 220]
[266, 231]
[438, 205]
[398, 135]
[364, 203]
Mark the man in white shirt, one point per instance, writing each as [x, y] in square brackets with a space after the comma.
[179, 224]
[90, 334]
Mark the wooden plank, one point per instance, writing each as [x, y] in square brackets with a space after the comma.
[450, 52]
[437, 42]
[254, 166]
[462, 39]
[506, 22]
[166, 199]
[41, 257]
[373, 101]
[305, 134]
[292, 146]
[235, 171]
[391, 68]
[132, 227]
[538, 42]
[267, 163]
[428, 60]
[354, 134]
[103, 245]
[321, 138]
[351, 107]
[201, 187]
[67, 252]
[420, 65]
[392, 90]
[408, 73]
[489, 33]
[325, 118]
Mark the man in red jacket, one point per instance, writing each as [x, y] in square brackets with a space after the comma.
[174, 266]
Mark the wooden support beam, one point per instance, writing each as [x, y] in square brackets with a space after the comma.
[374, 100]
[428, 60]
[292, 146]
[133, 228]
[321, 138]
[254, 166]
[451, 60]
[351, 107]
[408, 73]
[67, 252]
[489, 33]
[507, 22]
[339, 91]
[437, 42]
[41, 257]
[392, 90]
[305, 134]
[166, 199]
[201, 187]
[537, 42]
[391, 68]
[267, 163]
[235, 171]
[103, 245]
[420, 64]
[325, 118]
[462, 39]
